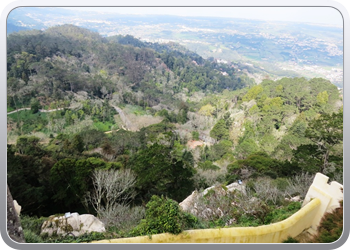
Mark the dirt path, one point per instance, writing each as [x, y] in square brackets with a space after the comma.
[17, 110]
[40, 110]
[126, 121]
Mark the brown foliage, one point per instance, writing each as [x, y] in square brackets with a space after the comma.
[331, 226]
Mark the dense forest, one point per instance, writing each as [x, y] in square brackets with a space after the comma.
[163, 122]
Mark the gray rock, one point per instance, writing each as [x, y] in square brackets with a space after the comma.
[73, 224]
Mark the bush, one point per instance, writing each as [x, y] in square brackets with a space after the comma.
[282, 213]
[290, 240]
[125, 218]
[299, 184]
[208, 178]
[87, 237]
[214, 206]
[207, 165]
[31, 237]
[100, 126]
[163, 215]
[195, 135]
[32, 224]
[331, 226]
[281, 184]
[32, 228]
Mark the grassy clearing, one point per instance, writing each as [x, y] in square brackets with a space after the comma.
[104, 127]
[29, 122]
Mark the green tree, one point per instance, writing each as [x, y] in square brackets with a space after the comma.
[77, 144]
[221, 148]
[207, 165]
[325, 133]
[160, 172]
[28, 177]
[207, 110]
[71, 179]
[252, 93]
[29, 145]
[259, 163]
[220, 131]
[322, 98]
[246, 148]
[34, 105]
[195, 135]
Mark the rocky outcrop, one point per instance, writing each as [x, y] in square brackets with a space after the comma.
[14, 228]
[190, 203]
[73, 224]
[17, 207]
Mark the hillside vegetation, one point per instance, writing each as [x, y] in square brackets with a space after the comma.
[168, 121]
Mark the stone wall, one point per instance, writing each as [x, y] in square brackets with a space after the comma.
[329, 194]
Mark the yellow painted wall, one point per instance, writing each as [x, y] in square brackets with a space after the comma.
[273, 233]
[329, 195]
[321, 198]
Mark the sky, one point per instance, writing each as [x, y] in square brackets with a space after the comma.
[321, 15]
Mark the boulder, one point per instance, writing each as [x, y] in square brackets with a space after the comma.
[73, 224]
[235, 186]
[295, 198]
[17, 207]
[190, 203]
[187, 203]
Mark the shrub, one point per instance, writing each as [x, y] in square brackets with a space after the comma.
[214, 206]
[290, 240]
[208, 178]
[163, 215]
[32, 228]
[299, 184]
[282, 213]
[195, 135]
[281, 184]
[267, 191]
[31, 237]
[32, 224]
[331, 226]
[125, 218]
[87, 237]
[207, 165]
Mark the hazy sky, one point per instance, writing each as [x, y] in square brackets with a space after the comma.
[322, 15]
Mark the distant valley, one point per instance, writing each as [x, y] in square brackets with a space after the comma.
[263, 49]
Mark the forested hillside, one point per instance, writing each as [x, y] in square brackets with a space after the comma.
[167, 120]
[68, 58]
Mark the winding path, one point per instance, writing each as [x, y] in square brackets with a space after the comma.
[40, 110]
[125, 120]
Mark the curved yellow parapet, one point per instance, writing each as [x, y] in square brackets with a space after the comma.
[273, 233]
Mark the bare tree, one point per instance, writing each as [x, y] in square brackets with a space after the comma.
[112, 189]
[210, 177]
[267, 191]
[299, 185]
